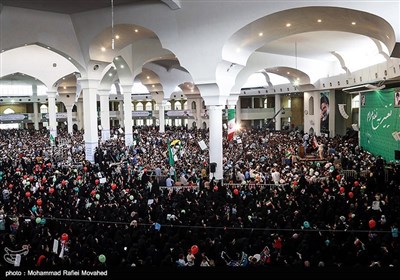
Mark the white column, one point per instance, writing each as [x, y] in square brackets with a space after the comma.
[105, 114]
[216, 152]
[69, 118]
[79, 114]
[51, 97]
[128, 108]
[36, 115]
[161, 116]
[277, 108]
[89, 91]
[238, 112]
[121, 113]
[199, 107]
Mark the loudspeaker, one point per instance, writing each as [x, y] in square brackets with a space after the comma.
[213, 167]
[397, 154]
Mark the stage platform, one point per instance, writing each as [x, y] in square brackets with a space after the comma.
[311, 158]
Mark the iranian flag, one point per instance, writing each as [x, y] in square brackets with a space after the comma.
[231, 123]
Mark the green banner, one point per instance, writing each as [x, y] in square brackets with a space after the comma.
[380, 123]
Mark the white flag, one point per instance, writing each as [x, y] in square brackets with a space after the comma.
[202, 145]
[55, 246]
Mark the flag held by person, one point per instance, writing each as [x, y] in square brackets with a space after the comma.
[315, 142]
[231, 123]
[175, 151]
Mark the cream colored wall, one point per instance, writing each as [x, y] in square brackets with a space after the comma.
[18, 108]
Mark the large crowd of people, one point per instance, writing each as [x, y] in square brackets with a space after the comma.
[339, 206]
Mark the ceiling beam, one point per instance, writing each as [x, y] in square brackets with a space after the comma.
[173, 4]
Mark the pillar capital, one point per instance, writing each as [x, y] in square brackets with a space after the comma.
[69, 107]
[211, 95]
[86, 83]
[52, 94]
[126, 89]
[103, 92]
[233, 99]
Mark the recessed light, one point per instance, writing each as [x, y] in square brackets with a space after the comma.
[48, 48]
[260, 34]
[288, 24]
[110, 74]
[65, 87]
[153, 86]
[319, 20]
[136, 30]
[63, 78]
[122, 66]
[69, 58]
[103, 49]
[148, 77]
[353, 23]
[288, 73]
[116, 36]
[116, 58]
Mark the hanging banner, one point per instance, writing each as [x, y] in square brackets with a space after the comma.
[179, 113]
[342, 111]
[141, 114]
[324, 105]
[13, 117]
[379, 123]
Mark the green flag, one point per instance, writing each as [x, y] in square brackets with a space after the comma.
[170, 155]
[52, 138]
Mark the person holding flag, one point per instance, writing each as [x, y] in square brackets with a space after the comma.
[175, 151]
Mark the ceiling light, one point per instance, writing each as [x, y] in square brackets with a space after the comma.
[153, 86]
[288, 24]
[116, 58]
[353, 23]
[319, 20]
[48, 48]
[136, 30]
[103, 49]
[192, 90]
[63, 78]
[288, 72]
[110, 74]
[122, 66]
[116, 36]
[148, 77]
[65, 87]
[69, 58]
[260, 34]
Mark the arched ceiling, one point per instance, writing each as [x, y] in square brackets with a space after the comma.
[312, 41]
[71, 7]
[124, 35]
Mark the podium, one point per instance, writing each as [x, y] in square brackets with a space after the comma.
[301, 151]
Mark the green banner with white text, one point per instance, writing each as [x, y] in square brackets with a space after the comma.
[380, 122]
